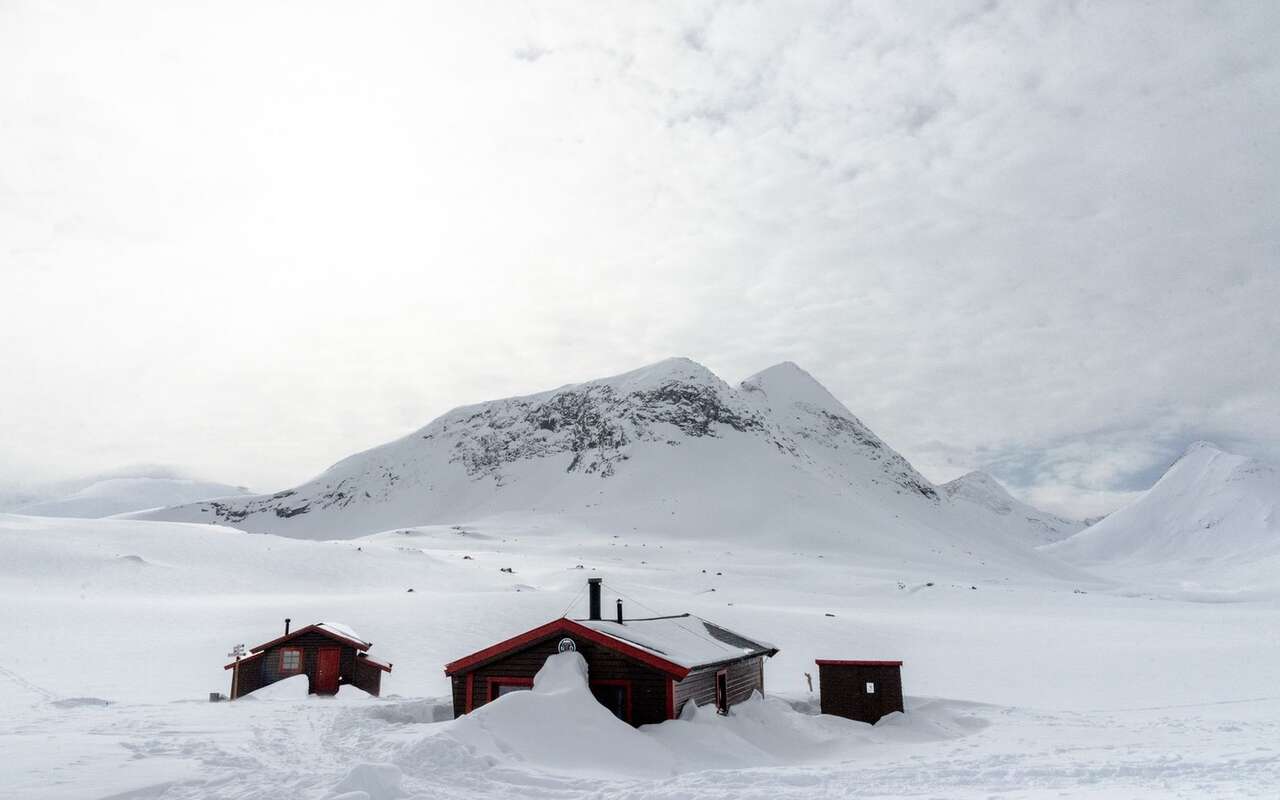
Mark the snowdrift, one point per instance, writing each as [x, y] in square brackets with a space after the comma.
[558, 727]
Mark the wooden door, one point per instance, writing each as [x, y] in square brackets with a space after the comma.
[327, 660]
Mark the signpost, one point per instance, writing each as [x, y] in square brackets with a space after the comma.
[237, 653]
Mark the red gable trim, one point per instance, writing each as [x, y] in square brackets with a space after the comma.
[314, 628]
[830, 662]
[564, 625]
[244, 660]
[373, 662]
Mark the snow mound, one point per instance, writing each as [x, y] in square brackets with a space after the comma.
[296, 688]
[559, 726]
[373, 781]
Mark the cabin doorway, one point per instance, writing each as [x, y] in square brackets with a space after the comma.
[722, 692]
[613, 696]
[327, 659]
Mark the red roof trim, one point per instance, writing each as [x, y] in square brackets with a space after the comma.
[833, 662]
[313, 628]
[373, 662]
[564, 625]
[243, 660]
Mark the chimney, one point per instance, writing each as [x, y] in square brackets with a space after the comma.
[619, 610]
[593, 584]
[286, 625]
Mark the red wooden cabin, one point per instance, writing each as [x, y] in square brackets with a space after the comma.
[642, 669]
[328, 653]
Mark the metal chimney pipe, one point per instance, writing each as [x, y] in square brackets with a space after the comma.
[286, 625]
[593, 585]
[619, 610]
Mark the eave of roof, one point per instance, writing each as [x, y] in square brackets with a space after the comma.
[837, 662]
[564, 625]
[314, 628]
[244, 660]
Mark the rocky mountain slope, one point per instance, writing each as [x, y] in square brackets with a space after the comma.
[988, 497]
[1211, 520]
[670, 449]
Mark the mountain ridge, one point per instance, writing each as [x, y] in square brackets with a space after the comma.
[670, 449]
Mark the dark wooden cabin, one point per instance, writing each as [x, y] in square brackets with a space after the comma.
[642, 669]
[329, 654]
[861, 690]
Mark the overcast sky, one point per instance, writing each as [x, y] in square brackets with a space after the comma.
[250, 239]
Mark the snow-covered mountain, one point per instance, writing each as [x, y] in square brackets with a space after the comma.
[108, 496]
[985, 492]
[1211, 519]
[667, 449]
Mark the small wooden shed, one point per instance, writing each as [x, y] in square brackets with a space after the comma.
[861, 690]
[642, 669]
[328, 653]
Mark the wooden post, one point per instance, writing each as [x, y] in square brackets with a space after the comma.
[235, 679]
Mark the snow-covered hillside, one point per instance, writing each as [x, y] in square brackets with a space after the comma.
[985, 492]
[1212, 520]
[109, 496]
[669, 449]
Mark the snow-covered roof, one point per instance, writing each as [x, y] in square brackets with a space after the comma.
[686, 640]
[344, 631]
[334, 630]
[673, 645]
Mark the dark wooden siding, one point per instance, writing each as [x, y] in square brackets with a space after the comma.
[648, 686]
[700, 685]
[843, 690]
[367, 677]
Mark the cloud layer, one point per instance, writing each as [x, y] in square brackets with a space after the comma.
[249, 239]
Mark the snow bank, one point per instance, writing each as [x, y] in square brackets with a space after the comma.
[559, 726]
[296, 688]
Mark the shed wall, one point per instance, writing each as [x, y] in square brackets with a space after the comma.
[843, 692]
[700, 685]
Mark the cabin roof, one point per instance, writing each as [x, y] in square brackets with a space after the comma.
[674, 645]
[687, 640]
[334, 630]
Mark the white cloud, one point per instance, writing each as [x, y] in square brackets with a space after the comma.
[1037, 238]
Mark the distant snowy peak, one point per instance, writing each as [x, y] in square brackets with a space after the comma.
[827, 433]
[980, 489]
[1213, 514]
[786, 384]
[110, 496]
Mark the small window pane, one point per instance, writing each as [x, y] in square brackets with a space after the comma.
[291, 660]
[507, 688]
[871, 688]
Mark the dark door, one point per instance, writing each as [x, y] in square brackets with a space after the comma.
[722, 692]
[327, 659]
[612, 697]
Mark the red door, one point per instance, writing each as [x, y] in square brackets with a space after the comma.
[327, 659]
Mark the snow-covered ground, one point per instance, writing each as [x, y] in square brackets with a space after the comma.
[1019, 685]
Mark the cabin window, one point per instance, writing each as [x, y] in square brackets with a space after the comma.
[500, 686]
[291, 660]
[871, 688]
